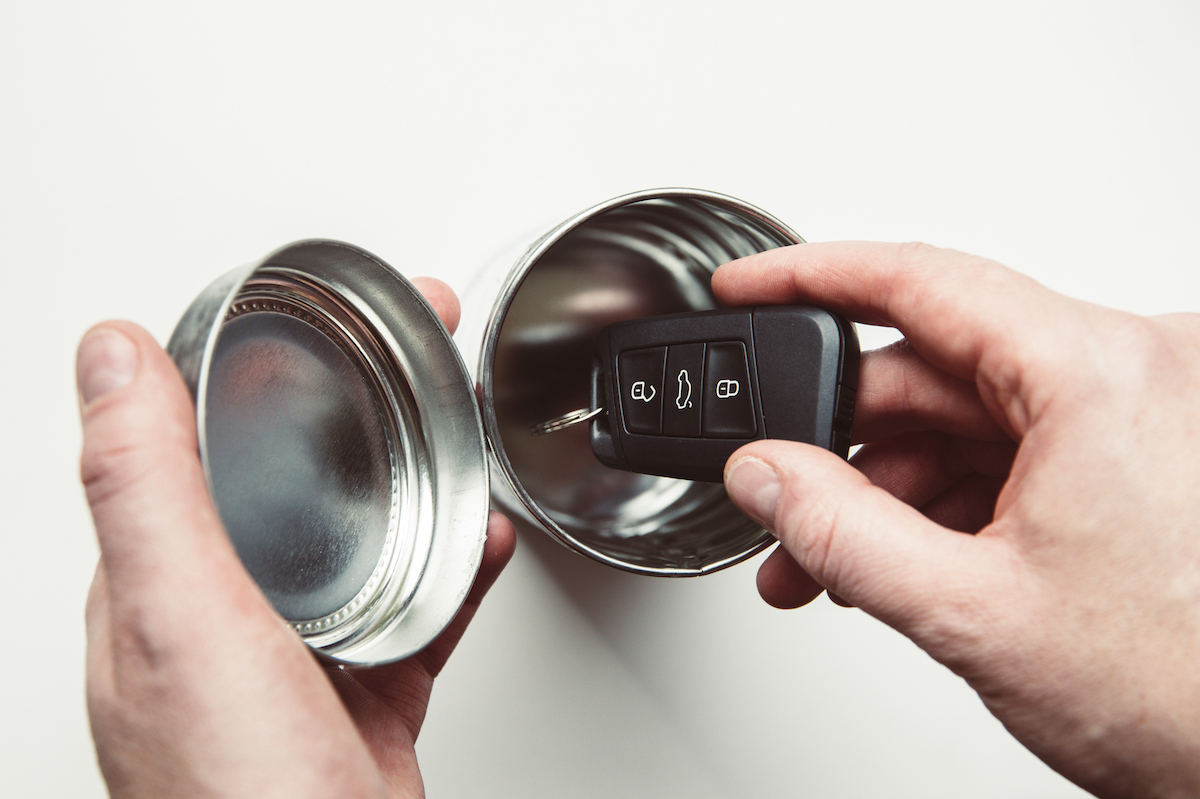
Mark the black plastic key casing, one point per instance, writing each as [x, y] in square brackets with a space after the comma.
[684, 391]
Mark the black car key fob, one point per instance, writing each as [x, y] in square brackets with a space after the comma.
[683, 391]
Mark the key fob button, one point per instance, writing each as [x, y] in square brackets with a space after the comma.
[728, 401]
[640, 373]
[684, 384]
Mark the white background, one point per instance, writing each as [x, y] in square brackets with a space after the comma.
[147, 147]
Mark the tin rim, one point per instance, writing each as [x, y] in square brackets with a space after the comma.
[436, 451]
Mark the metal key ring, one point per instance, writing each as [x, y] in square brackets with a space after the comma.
[566, 420]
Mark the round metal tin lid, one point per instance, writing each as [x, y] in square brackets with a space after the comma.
[343, 446]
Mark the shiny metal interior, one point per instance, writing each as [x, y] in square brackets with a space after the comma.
[304, 454]
[342, 444]
[640, 255]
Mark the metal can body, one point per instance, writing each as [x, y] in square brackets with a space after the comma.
[529, 323]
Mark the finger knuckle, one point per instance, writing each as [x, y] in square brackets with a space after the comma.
[931, 277]
[107, 469]
[916, 251]
[813, 524]
[1125, 359]
[126, 442]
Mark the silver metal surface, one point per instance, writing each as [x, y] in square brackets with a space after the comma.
[342, 444]
[567, 420]
[529, 324]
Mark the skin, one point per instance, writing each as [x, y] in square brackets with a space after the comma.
[1024, 507]
[196, 688]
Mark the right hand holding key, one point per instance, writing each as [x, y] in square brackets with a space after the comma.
[1065, 437]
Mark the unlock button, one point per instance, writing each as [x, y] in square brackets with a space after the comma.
[728, 400]
[640, 380]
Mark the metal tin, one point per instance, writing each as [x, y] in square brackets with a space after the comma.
[343, 440]
[529, 323]
[342, 444]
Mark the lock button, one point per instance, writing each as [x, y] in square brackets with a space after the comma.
[728, 404]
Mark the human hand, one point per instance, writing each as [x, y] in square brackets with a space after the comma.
[195, 686]
[1064, 436]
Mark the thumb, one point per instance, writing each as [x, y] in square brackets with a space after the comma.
[158, 531]
[863, 544]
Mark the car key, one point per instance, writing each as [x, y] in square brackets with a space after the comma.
[676, 395]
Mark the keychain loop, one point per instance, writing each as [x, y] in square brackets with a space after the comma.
[566, 420]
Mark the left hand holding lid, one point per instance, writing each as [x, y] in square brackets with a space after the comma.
[195, 686]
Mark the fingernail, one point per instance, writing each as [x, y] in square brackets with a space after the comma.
[754, 487]
[107, 360]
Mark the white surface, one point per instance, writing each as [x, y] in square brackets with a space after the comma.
[147, 147]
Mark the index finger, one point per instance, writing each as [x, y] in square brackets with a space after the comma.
[442, 298]
[951, 306]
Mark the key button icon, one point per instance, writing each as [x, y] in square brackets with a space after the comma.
[728, 404]
[640, 376]
[681, 410]
[728, 388]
